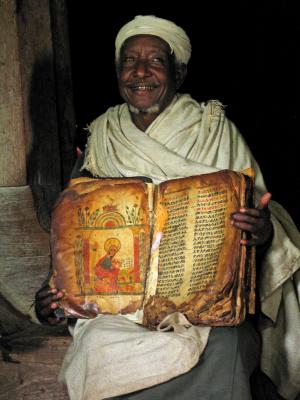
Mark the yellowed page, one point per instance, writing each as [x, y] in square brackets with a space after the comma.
[100, 246]
[197, 258]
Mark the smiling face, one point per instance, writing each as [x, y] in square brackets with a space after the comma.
[147, 75]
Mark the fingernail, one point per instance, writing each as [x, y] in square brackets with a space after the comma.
[54, 305]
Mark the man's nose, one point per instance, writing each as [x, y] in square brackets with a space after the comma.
[142, 68]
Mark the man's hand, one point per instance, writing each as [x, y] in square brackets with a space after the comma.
[46, 302]
[256, 221]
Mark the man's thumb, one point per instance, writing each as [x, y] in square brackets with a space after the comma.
[264, 201]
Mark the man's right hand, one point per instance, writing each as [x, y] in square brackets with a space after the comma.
[46, 302]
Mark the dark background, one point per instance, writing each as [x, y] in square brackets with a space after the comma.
[244, 55]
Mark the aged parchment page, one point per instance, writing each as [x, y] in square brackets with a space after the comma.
[100, 245]
[197, 262]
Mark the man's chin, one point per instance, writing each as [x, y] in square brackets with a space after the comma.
[144, 110]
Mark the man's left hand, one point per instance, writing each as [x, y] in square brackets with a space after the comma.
[256, 221]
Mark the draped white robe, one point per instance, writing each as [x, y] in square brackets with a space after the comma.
[189, 138]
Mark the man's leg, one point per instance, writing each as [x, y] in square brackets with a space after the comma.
[223, 371]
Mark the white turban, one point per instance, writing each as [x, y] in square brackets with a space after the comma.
[166, 30]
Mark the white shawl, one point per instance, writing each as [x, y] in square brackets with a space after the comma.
[186, 139]
[189, 138]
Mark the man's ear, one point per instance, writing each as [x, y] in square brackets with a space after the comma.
[180, 75]
[117, 65]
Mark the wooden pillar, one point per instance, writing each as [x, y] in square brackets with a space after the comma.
[37, 129]
[64, 88]
[12, 143]
[39, 105]
[47, 100]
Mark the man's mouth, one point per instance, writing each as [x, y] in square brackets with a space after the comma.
[142, 86]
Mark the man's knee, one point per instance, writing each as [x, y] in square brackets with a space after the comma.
[228, 343]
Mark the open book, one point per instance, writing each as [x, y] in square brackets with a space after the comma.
[122, 246]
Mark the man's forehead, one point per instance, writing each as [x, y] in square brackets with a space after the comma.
[153, 41]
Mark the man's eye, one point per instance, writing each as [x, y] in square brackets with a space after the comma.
[129, 60]
[157, 60]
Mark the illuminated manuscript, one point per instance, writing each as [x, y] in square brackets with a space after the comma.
[122, 246]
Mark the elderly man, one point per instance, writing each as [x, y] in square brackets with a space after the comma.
[161, 134]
